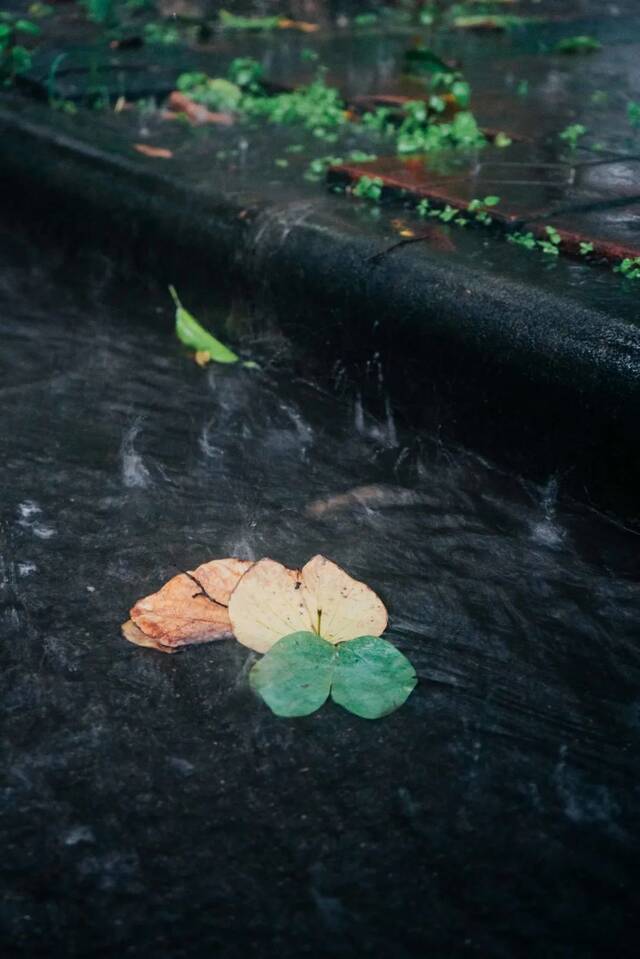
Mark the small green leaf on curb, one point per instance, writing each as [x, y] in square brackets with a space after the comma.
[368, 676]
[189, 332]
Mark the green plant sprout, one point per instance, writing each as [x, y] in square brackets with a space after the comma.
[455, 84]
[478, 208]
[501, 140]
[14, 57]
[629, 268]
[586, 249]
[246, 73]
[572, 134]
[379, 120]
[550, 246]
[418, 134]
[368, 188]
[320, 108]
[633, 113]
[448, 214]
[526, 240]
[316, 107]
[164, 34]
[319, 166]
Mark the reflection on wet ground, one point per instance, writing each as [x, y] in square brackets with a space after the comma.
[157, 802]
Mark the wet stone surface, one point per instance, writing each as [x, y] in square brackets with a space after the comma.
[153, 806]
[520, 86]
[583, 199]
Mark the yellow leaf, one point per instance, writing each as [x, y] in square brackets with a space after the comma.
[271, 601]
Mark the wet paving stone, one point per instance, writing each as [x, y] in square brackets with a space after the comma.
[614, 232]
[558, 193]
[528, 191]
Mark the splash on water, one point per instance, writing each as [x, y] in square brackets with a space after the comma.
[385, 433]
[29, 514]
[134, 473]
[547, 531]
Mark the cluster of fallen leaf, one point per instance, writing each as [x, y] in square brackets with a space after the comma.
[318, 627]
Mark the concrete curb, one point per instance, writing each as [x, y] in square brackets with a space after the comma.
[529, 377]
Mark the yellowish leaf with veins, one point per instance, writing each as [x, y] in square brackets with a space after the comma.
[271, 601]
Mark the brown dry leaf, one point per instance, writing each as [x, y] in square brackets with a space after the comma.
[190, 608]
[302, 25]
[131, 632]
[271, 601]
[179, 103]
[376, 496]
[147, 150]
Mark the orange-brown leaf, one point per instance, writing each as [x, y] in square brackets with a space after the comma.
[158, 152]
[196, 112]
[190, 608]
[131, 632]
[302, 25]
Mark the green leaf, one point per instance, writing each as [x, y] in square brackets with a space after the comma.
[368, 676]
[633, 113]
[189, 332]
[26, 26]
[372, 677]
[365, 19]
[231, 21]
[294, 677]
[581, 44]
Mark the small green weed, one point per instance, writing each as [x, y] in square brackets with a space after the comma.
[14, 57]
[633, 113]
[629, 268]
[526, 240]
[573, 134]
[368, 188]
